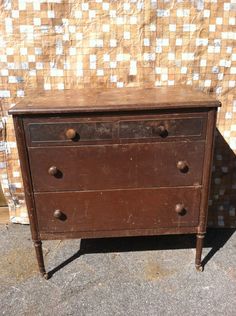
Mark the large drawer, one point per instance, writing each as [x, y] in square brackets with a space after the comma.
[117, 210]
[116, 166]
[99, 130]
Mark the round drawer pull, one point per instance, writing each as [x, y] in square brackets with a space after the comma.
[180, 209]
[58, 214]
[182, 166]
[71, 133]
[160, 130]
[52, 171]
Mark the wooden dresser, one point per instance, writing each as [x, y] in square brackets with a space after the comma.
[116, 162]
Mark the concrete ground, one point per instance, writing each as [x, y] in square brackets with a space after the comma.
[125, 276]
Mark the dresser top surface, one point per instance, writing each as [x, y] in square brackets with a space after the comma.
[100, 100]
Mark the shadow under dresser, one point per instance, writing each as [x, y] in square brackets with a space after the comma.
[116, 162]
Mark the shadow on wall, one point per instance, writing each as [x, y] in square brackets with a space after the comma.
[222, 203]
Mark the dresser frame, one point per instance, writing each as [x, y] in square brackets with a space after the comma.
[20, 114]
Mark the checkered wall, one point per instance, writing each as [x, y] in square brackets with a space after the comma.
[59, 44]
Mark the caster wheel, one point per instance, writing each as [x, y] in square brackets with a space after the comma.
[199, 268]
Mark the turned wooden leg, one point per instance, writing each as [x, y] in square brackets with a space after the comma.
[39, 255]
[199, 246]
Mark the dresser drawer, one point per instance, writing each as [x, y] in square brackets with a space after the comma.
[82, 131]
[117, 166]
[117, 210]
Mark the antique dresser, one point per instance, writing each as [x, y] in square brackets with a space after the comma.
[116, 162]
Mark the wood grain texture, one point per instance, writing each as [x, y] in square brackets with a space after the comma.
[87, 100]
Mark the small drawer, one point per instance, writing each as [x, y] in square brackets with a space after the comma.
[70, 132]
[117, 166]
[118, 209]
[164, 128]
[79, 131]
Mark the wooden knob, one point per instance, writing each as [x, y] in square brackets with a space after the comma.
[180, 209]
[52, 171]
[182, 166]
[58, 214]
[160, 130]
[71, 133]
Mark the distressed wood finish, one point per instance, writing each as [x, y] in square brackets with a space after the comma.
[127, 99]
[113, 129]
[118, 233]
[115, 162]
[116, 166]
[96, 210]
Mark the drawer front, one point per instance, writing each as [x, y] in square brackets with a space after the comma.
[178, 127]
[116, 166]
[57, 132]
[82, 131]
[117, 210]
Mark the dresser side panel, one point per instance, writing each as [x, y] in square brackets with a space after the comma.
[207, 168]
[26, 175]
